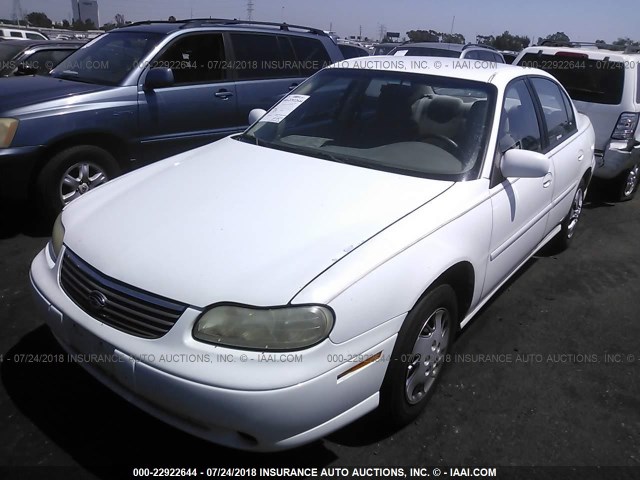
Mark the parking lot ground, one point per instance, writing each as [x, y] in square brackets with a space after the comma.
[547, 374]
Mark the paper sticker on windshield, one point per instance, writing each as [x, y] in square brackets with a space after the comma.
[401, 53]
[284, 108]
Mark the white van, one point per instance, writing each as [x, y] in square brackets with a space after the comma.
[21, 34]
[604, 83]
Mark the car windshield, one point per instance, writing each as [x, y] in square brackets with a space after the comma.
[586, 80]
[108, 59]
[426, 52]
[392, 121]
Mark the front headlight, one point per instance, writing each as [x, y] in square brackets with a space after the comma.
[279, 328]
[57, 237]
[8, 127]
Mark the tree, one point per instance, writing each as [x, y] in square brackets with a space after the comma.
[119, 18]
[513, 43]
[66, 24]
[108, 26]
[423, 36]
[172, 18]
[485, 40]
[556, 37]
[453, 38]
[623, 42]
[39, 19]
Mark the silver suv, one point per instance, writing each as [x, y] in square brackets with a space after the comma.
[604, 83]
[470, 51]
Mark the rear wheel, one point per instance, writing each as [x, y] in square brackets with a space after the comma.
[627, 183]
[71, 173]
[570, 222]
[419, 356]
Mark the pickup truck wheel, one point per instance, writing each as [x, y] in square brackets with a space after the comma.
[73, 172]
[419, 356]
[570, 222]
[628, 183]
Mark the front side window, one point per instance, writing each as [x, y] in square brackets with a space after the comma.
[194, 59]
[393, 121]
[519, 125]
[559, 125]
[108, 59]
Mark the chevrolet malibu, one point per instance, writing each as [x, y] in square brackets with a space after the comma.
[267, 289]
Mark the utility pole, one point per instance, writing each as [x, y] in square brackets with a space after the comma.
[17, 13]
[250, 8]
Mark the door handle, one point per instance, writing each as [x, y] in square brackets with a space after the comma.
[292, 86]
[547, 180]
[580, 155]
[224, 94]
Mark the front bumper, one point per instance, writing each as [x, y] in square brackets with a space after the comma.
[617, 158]
[17, 167]
[249, 418]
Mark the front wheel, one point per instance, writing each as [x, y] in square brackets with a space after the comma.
[71, 173]
[419, 356]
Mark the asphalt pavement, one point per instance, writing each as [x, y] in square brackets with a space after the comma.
[546, 375]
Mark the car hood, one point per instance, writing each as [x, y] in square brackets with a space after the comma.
[21, 91]
[236, 222]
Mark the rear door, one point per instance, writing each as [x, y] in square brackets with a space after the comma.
[268, 66]
[563, 145]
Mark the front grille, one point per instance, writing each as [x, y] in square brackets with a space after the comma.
[118, 305]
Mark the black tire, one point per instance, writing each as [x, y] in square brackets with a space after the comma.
[626, 184]
[49, 184]
[403, 394]
[570, 223]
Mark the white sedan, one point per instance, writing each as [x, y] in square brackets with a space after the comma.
[267, 289]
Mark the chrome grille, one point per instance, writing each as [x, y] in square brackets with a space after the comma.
[118, 305]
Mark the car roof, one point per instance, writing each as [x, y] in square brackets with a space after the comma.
[457, 47]
[44, 43]
[487, 72]
[167, 27]
[591, 50]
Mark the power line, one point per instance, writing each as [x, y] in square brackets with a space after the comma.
[250, 8]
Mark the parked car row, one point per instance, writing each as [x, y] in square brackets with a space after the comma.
[359, 222]
[355, 226]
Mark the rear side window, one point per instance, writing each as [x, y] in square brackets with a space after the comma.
[586, 80]
[257, 56]
[559, 124]
[311, 55]
[34, 36]
[429, 52]
[16, 34]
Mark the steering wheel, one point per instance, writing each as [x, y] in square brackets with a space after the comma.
[448, 144]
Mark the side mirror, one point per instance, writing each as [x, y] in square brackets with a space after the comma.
[159, 78]
[24, 69]
[255, 115]
[524, 164]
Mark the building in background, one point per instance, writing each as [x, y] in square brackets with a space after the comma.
[84, 10]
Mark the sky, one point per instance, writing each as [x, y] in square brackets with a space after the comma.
[583, 20]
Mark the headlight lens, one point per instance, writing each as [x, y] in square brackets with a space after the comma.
[57, 237]
[8, 127]
[281, 328]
